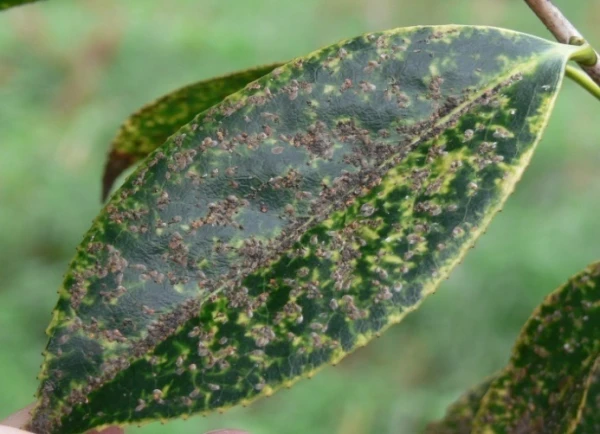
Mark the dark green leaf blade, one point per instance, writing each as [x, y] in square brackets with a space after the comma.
[551, 382]
[5, 4]
[460, 415]
[150, 126]
[588, 420]
[288, 225]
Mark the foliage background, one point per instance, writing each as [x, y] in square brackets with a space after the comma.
[71, 71]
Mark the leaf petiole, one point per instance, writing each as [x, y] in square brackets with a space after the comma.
[586, 56]
[581, 78]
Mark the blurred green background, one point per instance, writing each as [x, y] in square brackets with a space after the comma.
[71, 71]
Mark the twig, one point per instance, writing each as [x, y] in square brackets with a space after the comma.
[563, 31]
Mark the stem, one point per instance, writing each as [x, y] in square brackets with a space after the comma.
[565, 32]
[583, 80]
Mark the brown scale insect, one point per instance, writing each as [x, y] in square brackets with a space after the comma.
[371, 66]
[382, 42]
[458, 232]
[157, 395]
[163, 200]
[384, 294]
[263, 336]
[367, 87]
[367, 210]
[435, 87]
[292, 90]
[347, 84]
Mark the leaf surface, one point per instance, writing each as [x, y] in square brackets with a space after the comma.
[151, 125]
[294, 221]
[551, 384]
[588, 420]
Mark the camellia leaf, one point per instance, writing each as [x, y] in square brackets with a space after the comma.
[5, 4]
[150, 126]
[589, 411]
[460, 415]
[289, 224]
[551, 384]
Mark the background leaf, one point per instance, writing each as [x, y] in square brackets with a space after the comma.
[551, 383]
[460, 415]
[5, 4]
[322, 209]
[588, 418]
[150, 126]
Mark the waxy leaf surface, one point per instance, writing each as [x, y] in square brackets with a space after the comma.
[551, 384]
[291, 223]
[150, 126]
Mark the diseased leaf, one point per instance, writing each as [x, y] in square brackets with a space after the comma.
[551, 383]
[460, 415]
[588, 421]
[5, 4]
[150, 126]
[294, 221]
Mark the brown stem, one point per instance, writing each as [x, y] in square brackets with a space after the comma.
[562, 29]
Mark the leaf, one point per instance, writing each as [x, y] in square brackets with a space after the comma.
[460, 415]
[551, 382]
[588, 420]
[291, 223]
[150, 126]
[5, 4]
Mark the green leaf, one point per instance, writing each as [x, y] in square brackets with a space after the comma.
[150, 126]
[291, 223]
[589, 416]
[551, 384]
[460, 415]
[5, 4]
